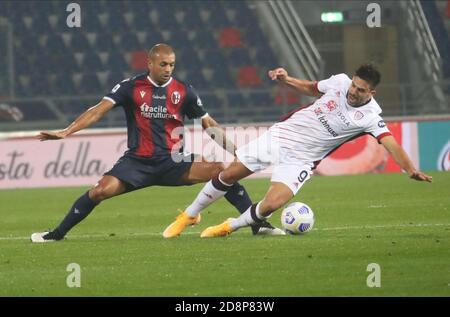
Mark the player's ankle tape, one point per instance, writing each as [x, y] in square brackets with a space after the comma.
[253, 214]
[219, 185]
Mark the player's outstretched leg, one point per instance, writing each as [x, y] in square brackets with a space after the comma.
[80, 210]
[230, 225]
[213, 190]
[277, 195]
[107, 187]
[221, 230]
[239, 198]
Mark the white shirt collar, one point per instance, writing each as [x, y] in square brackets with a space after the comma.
[155, 84]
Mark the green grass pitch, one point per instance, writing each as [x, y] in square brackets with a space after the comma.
[400, 224]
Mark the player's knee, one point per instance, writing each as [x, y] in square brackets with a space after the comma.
[228, 177]
[216, 169]
[99, 193]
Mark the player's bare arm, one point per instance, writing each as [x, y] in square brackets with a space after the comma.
[403, 160]
[305, 87]
[216, 132]
[86, 119]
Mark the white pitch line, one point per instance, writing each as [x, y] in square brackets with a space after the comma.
[84, 236]
[385, 226]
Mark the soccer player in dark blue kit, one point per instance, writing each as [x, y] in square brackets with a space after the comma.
[155, 104]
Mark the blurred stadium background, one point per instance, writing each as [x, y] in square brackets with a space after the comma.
[52, 73]
[224, 48]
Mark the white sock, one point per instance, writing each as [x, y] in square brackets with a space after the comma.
[246, 218]
[206, 197]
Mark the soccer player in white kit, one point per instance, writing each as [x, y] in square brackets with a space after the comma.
[344, 110]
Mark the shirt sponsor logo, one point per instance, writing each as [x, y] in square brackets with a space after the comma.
[327, 126]
[343, 118]
[175, 97]
[321, 118]
[156, 112]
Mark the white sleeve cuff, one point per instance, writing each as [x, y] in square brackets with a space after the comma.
[110, 99]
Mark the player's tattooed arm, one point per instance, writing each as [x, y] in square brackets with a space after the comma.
[216, 132]
[403, 159]
[87, 118]
[305, 87]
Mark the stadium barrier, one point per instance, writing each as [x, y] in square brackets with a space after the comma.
[83, 158]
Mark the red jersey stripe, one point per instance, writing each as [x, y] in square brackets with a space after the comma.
[145, 145]
[176, 93]
[382, 135]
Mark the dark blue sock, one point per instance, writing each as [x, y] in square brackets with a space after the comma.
[80, 209]
[238, 197]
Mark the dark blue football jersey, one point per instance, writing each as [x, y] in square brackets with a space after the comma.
[153, 112]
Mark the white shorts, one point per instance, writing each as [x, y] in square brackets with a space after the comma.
[263, 152]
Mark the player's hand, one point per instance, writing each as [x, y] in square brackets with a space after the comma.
[278, 74]
[51, 135]
[419, 176]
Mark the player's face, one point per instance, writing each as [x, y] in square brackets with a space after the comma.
[161, 67]
[359, 92]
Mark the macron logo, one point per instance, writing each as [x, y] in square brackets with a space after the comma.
[142, 94]
[76, 211]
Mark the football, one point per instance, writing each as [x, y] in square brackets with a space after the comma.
[297, 218]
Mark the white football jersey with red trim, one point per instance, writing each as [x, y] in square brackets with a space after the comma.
[311, 133]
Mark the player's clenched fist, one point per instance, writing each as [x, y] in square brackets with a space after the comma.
[278, 74]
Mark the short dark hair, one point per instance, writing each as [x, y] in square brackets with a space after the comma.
[369, 73]
[160, 48]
